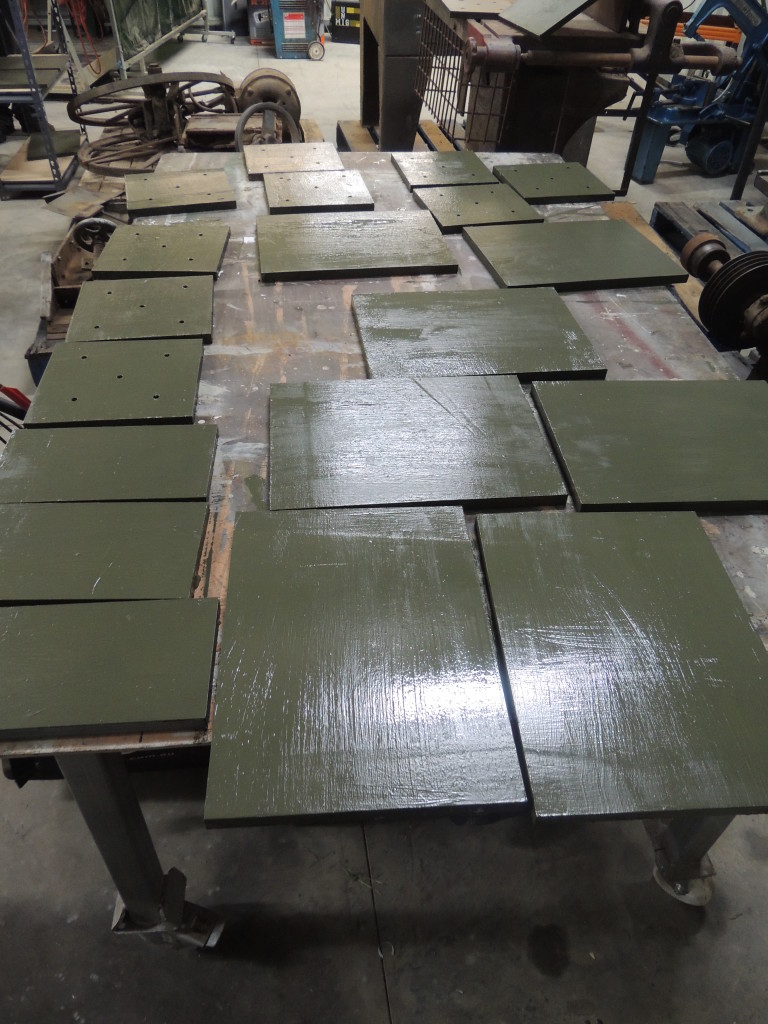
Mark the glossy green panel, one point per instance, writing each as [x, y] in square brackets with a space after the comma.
[302, 246]
[159, 463]
[432, 169]
[166, 250]
[174, 193]
[291, 157]
[357, 673]
[699, 445]
[553, 183]
[465, 440]
[117, 667]
[572, 255]
[455, 207]
[164, 307]
[308, 191]
[527, 331]
[115, 382]
[99, 551]
[639, 686]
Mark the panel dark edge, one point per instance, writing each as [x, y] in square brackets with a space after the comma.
[270, 277]
[139, 210]
[119, 729]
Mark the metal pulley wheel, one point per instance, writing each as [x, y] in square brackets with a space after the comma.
[154, 106]
[277, 125]
[733, 306]
[727, 301]
[269, 86]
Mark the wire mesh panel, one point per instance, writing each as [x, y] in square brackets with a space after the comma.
[469, 108]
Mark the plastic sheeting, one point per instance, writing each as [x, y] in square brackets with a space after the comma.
[140, 23]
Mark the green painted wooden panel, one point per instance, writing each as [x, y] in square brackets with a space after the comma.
[301, 246]
[572, 255]
[432, 169]
[114, 382]
[540, 17]
[456, 207]
[639, 686]
[357, 673]
[699, 445]
[174, 193]
[166, 307]
[308, 191]
[568, 182]
[158, 463]
[291, 157]
[527, 331]
[115, 667]
[99, 551]
[467, 440]
[165, 250]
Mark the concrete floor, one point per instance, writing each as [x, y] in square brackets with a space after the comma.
[431, 920]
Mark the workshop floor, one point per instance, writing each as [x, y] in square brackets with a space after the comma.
[429, 920]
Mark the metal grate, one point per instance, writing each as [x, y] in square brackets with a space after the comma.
[471, 110]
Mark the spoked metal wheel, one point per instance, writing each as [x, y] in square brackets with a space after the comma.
[155, 105]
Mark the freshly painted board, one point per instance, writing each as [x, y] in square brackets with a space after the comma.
[305, 246]
[572, 255]
[357, 674]
[554, 183]
[427, 169]
[463, 440]
[699, 445]
[114, 667]
[638, 684]
[114, 382]
[540, 17]
[165, 250]
[153, 307]
[309, 191]
[157, 463]
[176, 193]
[527, 331]
[291, 156]
[99, 551]
[456, 206]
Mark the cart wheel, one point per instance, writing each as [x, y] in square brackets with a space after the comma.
[316, 50]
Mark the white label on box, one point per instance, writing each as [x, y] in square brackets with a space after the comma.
[293, 26]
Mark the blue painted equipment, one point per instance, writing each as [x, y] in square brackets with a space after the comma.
[712, 113]
[298, 28]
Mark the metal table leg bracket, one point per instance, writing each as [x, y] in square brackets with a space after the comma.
[149, 902]
[681, 844]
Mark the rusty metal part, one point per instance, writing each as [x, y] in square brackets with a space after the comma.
[734, 302]
[267, 85]
[504, 53]
[275, 125]
[704, 254]
[118, 153]
[154, 106]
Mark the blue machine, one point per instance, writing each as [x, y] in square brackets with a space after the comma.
[713, 114]
[298, 28]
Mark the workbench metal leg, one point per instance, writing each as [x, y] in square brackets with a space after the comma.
[150, 902]
[681, 847]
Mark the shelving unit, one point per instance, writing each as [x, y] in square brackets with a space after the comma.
[25, 81]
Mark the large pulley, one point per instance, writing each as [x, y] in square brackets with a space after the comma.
[144, 117]
[734, 302]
